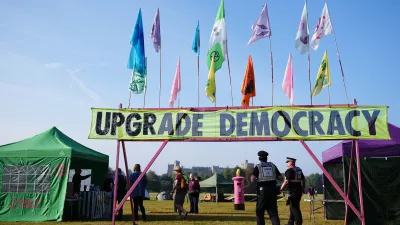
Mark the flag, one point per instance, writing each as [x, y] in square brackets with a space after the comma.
[137, 58]
[156, 32]
[303, 35]
[323, 76]
[324, 27]
[211, 87]
[261, 28]
[249, 83]
[176, 85]
[196, 40]
[218, 39]
[287, 84]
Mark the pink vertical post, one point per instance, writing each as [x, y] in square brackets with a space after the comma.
[330, 179]
[128, 178]
[238, 192]
[142, 174]
[115, 184]
[349, 179]
[360, 193]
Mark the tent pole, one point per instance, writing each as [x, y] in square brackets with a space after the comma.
[115, 184]
[329, 177]
[349, 179]
[128, 178]
[121, 204]
[360, 193]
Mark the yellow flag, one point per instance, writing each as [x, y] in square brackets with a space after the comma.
[323, 76]
[211, 87]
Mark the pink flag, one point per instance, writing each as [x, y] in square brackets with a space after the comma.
[176, 85]
[287, 84]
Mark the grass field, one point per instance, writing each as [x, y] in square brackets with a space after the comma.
[161, 213]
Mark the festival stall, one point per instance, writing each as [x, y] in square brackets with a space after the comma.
[34, 175]
[380, 165]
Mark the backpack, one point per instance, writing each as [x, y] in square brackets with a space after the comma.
[184, 182]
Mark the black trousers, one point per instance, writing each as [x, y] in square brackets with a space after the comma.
[267, 200]
[138, 202]
[120, 212]
[295, 212]
[194, 202]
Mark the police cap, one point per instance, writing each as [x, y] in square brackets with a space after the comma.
[288, 159]
[262, 154]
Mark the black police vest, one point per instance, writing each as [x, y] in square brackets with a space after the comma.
[266, 172]
[298, 175]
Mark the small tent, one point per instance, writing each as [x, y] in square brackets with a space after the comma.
[34, 175]
[163, 196]
[380, 166]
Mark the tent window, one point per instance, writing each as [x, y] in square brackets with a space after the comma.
[26, 179]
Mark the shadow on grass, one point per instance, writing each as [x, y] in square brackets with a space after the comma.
[199, 217]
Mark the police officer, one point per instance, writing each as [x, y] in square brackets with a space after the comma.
[266, 174]
[296, 181]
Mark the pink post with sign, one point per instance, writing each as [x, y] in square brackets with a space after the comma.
[238, 183]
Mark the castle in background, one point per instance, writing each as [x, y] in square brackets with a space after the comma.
[205, 170]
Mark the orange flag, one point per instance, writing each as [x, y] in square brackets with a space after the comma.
[249, 83]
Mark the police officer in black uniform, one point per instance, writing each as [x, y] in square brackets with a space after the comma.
[266, 174]
[296, 181]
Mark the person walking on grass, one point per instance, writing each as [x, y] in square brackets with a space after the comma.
[138, 193]
[194, 193]
[266, 174]
[180, 189]
[295, 180]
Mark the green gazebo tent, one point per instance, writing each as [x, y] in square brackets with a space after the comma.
[216, 181]
[34, 175]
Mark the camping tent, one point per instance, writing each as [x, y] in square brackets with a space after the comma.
[34, 175]
[216, 181]
[163, 196]
[380, 166]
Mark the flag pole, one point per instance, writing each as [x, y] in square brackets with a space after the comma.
[338, 54]
[329, 95]
[130, 93]
[272, 69]
[229, 69]
[309, 58]
[159, 91]
[198, 81]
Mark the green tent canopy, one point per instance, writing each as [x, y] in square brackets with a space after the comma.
[216, 181]
[34, 175]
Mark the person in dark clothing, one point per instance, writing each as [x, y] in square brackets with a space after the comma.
[180, 191]
[108, 183]
[295, 180]
[266, 174]
[121, 191]
[139, 192]
[77, 179]
[194, 193]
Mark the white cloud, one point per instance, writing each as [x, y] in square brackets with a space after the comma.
[53, 65]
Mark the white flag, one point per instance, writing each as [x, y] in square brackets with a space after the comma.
[303, 35]
[261, 28]
[324, 27]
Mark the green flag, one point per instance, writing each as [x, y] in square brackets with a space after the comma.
[217, 45]
[323, 77]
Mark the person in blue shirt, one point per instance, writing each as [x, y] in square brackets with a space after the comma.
[138, 193]
[121, 191]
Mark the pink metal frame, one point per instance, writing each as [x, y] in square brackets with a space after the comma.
[360, 214]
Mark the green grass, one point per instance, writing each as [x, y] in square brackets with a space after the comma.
[161, 213]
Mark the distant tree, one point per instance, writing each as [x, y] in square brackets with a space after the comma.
[154, 184]
[111, 170]
[227, 173]
[242, 172]
[315, 180]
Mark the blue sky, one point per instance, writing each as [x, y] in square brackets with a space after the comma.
[59, 59]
